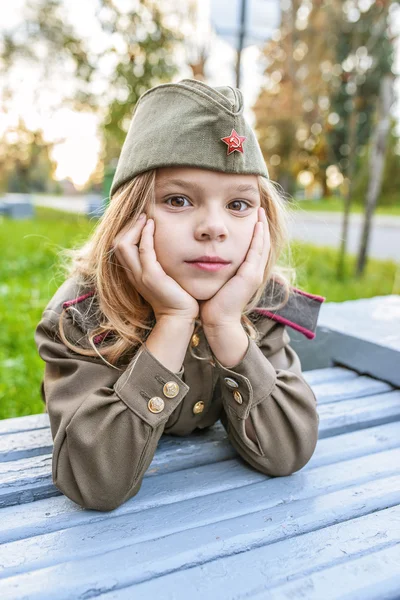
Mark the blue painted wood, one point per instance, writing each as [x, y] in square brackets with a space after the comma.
[158, 517]
[329, 563]
[136, 552]
[206, 524]
[58, 513]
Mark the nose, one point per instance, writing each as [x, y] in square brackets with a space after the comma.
[211, 225]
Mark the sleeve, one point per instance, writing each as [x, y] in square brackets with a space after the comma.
[104, 432]
[267, 388]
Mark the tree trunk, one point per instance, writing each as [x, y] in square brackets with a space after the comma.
[349, 195]
[376, 165]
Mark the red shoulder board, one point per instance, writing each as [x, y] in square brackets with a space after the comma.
[98, 338]
[300, 311]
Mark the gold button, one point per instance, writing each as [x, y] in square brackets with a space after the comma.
[156, 404]
[238, 397]
[195, 340]
[171, 389]
[231, 383]
[198, 407]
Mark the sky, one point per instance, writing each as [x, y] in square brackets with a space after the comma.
[78, 144]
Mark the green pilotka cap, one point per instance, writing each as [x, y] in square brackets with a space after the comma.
[190, 124]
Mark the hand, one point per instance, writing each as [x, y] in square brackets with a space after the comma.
[226, 306]
[143, 270]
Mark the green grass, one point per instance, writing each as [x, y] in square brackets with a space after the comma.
[29, 276]
[335, 204]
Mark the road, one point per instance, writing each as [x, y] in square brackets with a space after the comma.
[325, 229]
[319, 228]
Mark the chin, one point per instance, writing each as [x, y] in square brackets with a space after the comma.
[203, 290]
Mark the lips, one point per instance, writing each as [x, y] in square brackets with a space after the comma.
[209, 259]
[208, 263]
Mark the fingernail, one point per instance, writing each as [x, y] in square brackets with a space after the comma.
[142, 216]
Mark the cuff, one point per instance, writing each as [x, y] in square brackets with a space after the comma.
[147, 384]
[247, 383]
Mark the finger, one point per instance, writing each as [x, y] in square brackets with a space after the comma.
[131, 232]
[257, 244]
[147, 253]
[267, 237]
[127, 250]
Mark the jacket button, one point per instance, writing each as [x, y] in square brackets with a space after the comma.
[198, 407]
[156, 404]
[231, 383]
[238, 397]
[195, 340]
[171, 389]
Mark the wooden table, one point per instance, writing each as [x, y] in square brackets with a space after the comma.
[206, 525]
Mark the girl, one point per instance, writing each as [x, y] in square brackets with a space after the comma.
[173, 315]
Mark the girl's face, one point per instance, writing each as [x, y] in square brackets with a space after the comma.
[199, 213]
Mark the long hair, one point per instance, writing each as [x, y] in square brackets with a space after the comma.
[122, 316]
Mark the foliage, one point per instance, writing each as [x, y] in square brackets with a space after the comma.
[323, 71]
[25, 163]
[30, 276]
[133, 50]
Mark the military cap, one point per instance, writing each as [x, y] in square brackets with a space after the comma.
[189, 124]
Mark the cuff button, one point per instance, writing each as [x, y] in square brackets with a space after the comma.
[231, 383]
[171, 389]
[195, 340]
[156, 404]
[238, 397]
[198, 407]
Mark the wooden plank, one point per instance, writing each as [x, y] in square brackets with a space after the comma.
[375, 576]
[329, 374]
[34, 442]
[16, 446]
[59, 512]
[130, 555]
[333, 563]
[29, 423]
[360, 387]
[349, 415]
[227, 483]
[29, 480]
[335, 418]
[21, 444]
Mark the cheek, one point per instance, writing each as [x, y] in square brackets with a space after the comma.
[167, 243]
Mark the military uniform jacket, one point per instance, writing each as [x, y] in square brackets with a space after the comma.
[104, 433]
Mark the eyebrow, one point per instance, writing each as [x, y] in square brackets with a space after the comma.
[243, 187]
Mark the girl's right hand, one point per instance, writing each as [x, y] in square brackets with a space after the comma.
[134, 249]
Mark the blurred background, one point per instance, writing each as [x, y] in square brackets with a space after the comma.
[320, 83]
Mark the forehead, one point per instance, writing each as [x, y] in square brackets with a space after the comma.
[205, 179]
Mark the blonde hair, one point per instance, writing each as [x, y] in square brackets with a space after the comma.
[126, 316]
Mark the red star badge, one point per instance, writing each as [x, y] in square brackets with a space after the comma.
[234, 142]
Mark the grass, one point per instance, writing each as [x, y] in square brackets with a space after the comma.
[30, 274]
[29, 277]
[335, 204]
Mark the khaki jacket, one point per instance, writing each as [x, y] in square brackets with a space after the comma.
[105, 434]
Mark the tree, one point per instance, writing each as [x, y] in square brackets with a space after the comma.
[25, 160]
[293, 105]
[377, 163]
[139, 51]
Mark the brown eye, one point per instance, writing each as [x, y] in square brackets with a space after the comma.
[175, 198]
[238, 202]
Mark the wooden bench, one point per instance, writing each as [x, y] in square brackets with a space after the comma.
[206, 525]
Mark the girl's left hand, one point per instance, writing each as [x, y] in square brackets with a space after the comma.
[228, 303]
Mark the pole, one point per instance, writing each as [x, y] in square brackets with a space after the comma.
[242, 33]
